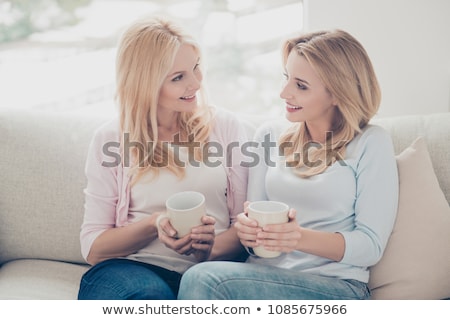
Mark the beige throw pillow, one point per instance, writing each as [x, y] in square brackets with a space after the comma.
[416, 263]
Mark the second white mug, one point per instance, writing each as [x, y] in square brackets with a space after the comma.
[268, 212]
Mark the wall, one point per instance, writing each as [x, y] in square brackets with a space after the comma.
[408, 42]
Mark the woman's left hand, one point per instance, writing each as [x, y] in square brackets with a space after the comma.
[203, 238]
[199, 242]
[284, 237]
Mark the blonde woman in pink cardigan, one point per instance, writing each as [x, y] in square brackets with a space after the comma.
[132, 169]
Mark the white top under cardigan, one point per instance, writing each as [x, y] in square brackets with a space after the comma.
[148, 196]
[357, 198]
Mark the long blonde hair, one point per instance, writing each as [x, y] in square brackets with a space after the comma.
[346, 71]
[146, 54]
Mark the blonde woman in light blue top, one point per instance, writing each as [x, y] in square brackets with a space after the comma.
[336, 172]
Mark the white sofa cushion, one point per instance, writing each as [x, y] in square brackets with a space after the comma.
[416, 263]
[42, 181]
[32, 279]
[435, 129]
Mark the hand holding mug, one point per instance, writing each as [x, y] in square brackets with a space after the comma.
[199, 242]
[247, 229]
[203, 238]
[284, 237]
[184, 227]
[265, 226]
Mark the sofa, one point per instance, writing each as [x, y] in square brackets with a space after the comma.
[41, 205]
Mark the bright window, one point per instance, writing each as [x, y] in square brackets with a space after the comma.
[59, 54]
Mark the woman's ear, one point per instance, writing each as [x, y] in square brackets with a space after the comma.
[334, 101]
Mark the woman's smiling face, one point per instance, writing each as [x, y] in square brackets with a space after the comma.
[307, 99]
[179, 89]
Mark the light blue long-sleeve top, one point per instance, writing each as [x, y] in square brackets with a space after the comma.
[356, 197]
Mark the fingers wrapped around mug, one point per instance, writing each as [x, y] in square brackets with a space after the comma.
[203, 238]
[164, 226]
[267, 213]
[180, 245]
[247, 230]
[283, 237]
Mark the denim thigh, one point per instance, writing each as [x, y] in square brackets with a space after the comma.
[247, 281]
[123, 279]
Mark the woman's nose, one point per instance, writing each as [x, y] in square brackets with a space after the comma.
[195, 83]
[285, 92]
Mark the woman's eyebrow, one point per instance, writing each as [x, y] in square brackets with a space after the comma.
[301, 80]
[176, 72]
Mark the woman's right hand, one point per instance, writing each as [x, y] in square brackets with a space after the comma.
[180, 245]
[247, 228]
[167, 235]
[164, 226]
[198, 243]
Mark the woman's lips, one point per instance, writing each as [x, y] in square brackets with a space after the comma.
[188, 98]
[292, 108]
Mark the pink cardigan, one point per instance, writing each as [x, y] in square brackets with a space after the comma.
[107, 194]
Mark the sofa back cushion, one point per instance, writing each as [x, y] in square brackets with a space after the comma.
[41, 183]
[435, 129]
[418, 244]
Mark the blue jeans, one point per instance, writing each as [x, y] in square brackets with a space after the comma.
[123, 279]
[247, 281]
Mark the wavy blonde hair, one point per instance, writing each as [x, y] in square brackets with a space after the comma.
[145, 56]
[346, 71]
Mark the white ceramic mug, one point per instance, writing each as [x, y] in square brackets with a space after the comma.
[268, 212]
[185, 211]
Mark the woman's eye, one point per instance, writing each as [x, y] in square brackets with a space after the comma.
[285, 76]
[301, 86]
[178, 78]
[196, 66]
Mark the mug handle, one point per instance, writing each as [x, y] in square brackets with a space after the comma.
[158, 220]
[251, 251]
